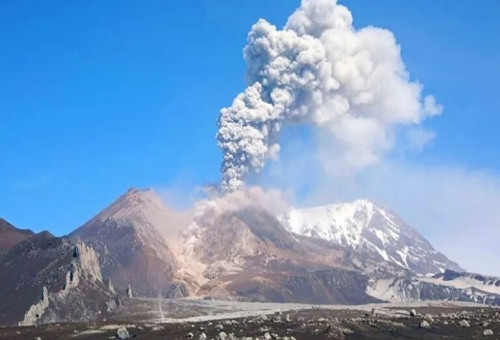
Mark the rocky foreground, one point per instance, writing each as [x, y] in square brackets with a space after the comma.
[315, 323]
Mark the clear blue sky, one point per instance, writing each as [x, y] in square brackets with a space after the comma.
[100, 96]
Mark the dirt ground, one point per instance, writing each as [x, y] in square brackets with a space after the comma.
[317, 323]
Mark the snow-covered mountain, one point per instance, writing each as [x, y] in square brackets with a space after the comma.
[364, 225]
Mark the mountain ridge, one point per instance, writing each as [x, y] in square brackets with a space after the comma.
[364, 224]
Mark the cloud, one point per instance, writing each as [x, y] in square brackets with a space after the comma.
[350, 84]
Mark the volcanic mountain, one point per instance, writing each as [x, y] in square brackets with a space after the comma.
[127, 237]
[365, 225]
[248, 255]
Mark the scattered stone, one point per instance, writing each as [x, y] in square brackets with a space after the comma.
[189, 335]
[464, 323]
[38, 338]
[129, 292]
[219, 327]
[487, 332]
[288, 318]
[429, 317]
[484, 324]
[122, 333]
[267, 336]
[413, 313]
[425, 324]
[347, 331]
[221, 336]
[202, 336]
[228, 322]
[445, 322]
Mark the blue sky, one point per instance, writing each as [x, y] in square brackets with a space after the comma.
[97, 97]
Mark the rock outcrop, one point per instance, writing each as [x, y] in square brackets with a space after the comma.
[46, 278]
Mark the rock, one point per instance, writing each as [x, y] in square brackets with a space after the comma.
[413, 313]
[347, 331]
[484, 324]
[487, 332]
[288, 318]
[267, 336]
[38, 338]
[429, 317]
[263, 317]
[228, 322]
[464, 323]
[129, 292]
[221, 336]
[189, 335]
[425, 324]
[445, 322]
[219, 327]
[202, 336]
[122, 333]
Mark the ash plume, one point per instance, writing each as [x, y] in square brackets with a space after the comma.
[319, 70]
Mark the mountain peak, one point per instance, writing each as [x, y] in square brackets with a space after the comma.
[138, 205]
[364, 224]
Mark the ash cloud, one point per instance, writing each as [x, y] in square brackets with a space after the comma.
[349, 84]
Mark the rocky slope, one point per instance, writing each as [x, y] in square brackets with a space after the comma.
[248, 255]
[126, 236]
[364, 225]
[10, 235]
[45, 279]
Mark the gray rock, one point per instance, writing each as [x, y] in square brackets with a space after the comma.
[425, 324]
[347, 331]
[189, 335]
[288, 318]
[464, 323]
[485, 324]
[221, 336]
[487, 332]
[267, 336]
[219, 327]
[413, 313]
[122, 333]
[202, 336]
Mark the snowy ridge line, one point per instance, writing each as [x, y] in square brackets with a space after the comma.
[370, 227]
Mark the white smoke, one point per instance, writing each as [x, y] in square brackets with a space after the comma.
[207, 210]
[349, 83]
